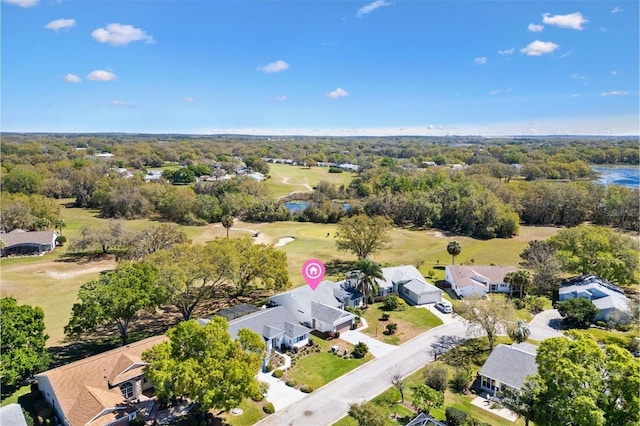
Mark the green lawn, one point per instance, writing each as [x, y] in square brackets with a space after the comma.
[411, 322]
[251, 414]
[388, 400]
[285, 179]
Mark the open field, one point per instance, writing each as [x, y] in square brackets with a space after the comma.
[52, 283]
[411, 322]
[285, 179]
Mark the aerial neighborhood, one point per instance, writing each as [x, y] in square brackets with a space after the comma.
[186, 299]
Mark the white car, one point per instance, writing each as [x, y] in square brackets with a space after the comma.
[444, 306]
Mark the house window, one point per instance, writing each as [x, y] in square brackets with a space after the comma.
[493, 287]
[299, 339]
[127, 390]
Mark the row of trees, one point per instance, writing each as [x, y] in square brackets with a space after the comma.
[183, 276]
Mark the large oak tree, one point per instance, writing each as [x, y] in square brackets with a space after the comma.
[363, 235]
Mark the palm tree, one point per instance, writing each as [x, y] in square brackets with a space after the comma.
[519, 332]
[521, 278]
[454, 249]
[227, 222]
[370, 271]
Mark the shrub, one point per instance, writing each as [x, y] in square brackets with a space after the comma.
[623, 327]
[269, 408]
[278, 373]
[391, 328]
[268, 368]
[536, 304]
[519, 304]
[257, 397]
[335, 170]
[61, 240]
[462, 379]
[436, 376]
[291, 383]
[393, 303]
[360, 350]
[295, 350]
[601, 323]
[337, 334]
[385, 316]
[306, 389]
[455, 417]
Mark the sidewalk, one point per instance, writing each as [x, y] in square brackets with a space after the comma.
[279, 394]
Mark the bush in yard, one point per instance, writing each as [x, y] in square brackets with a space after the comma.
[295, 350]
[61, 240]
[519, 304]
[535, 303]
[291, 383]
[577, 312]
[257, 397]
[393, 303]
[337, 334]
[360, 350]
[462, 379]
[385, 316]
[269, 408]
[436, 376]
[391, 329]
[278, 373]
[306, 389]
[455, 417]
[268, 368]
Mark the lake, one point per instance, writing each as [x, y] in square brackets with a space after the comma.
[616, 175]
[300, 206]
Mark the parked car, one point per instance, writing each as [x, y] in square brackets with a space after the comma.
[445, 307]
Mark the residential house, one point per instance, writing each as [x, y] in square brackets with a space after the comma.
[12, 415]
[346, 291]
[277, 326]
[477, 281]
[508, 366]
[424, 419]
[21, 242]
[409, 283]
[100, 390]
[610, 300]
[318, 309]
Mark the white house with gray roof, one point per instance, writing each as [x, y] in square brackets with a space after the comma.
[508, 366]
[409, 283]
[276, 325]
[21, 242]
[610, 300]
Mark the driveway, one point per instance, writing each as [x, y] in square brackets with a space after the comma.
[376, 347]
[330, 403]
[279, 394]
[545, 325]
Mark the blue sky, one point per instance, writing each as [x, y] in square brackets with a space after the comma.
[321, 67]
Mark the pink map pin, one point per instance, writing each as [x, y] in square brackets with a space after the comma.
[313, 272]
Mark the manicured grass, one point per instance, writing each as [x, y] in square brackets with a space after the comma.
[252, 413]
[18, 393]
[411, 322]
[389, 400]
[285, 179]
[612, 337]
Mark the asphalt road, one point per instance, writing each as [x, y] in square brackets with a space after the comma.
[328, 404]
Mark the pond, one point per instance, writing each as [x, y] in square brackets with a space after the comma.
[618, 175]
[300, 206]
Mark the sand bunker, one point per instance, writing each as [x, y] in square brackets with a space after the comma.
[283, 241]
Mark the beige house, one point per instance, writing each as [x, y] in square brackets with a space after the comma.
[477, 281]
[100, 390]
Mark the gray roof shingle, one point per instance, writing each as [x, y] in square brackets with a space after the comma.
[511, 364]
[278, 320]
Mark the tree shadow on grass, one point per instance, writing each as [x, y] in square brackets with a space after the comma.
[84, 257]
[473, 351]
[339, 266]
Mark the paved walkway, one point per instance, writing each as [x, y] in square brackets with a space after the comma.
[487, 405]
[279, 394]
[328, 404]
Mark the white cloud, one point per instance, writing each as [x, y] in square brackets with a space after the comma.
[120, 35]
[578, 77]
[575, 95]
[59, 24]
[573, 21]
[495, 92]
[617, 10]
[282, 98]
[539, 48]
[22, 3]
[101, 75]
[615, 93]
[72, 78]
[277, 66]
[338, 93]
[614, 72]
[123, 104]
[480, 61]
[507, 51]
[371, 7]
[535, 28]
[187, 99]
